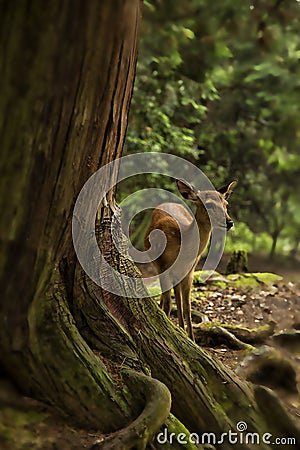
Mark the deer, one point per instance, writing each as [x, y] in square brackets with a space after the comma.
[178, 226]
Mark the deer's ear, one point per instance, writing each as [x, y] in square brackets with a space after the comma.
[227, 189]
[187, 190]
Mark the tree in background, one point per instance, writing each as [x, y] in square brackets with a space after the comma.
[219, 84]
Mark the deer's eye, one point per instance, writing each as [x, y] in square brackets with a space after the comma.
[209, 205]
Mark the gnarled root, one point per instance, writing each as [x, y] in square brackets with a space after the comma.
[252, 335]
[212, 334]
[157, 408]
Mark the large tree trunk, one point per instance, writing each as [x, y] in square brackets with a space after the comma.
[68, 78]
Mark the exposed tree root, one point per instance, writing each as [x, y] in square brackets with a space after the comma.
[205, 332]
[210, 335]
[252, 335]
[199, 317]
[175, 427]
[157, 408]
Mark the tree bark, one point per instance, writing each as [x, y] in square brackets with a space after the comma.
[109, 361]
[68, 79]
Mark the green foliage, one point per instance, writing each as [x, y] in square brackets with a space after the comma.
[219, 84]
[242, 237]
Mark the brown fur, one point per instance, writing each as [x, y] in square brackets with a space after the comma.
[162, 220]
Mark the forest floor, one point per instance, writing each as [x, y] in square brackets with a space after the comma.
[254, 306]
[28, 424]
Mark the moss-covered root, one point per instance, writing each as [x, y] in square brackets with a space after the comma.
[175, 436]
[157, 408]
[233, 336]
[252, 335]
[211, 335]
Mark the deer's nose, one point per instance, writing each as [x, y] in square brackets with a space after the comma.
[229, 224]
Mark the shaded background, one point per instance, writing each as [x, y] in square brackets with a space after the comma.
[218, 83]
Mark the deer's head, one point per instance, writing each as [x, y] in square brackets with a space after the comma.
[210, 203]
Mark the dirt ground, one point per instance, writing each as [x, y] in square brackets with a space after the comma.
[26, 424]
[252, 308]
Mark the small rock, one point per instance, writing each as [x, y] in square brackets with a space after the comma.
[268, 367]
[288, 339]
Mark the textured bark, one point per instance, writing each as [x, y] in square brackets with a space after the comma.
[67, 85]
[68, 78]
[238, 262]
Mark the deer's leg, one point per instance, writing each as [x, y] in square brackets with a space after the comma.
[165, 298]
[165, 302]
[186, 285]
[178, 299]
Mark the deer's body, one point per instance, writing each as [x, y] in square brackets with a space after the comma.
[178, 226]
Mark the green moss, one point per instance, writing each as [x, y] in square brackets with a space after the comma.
[253, 280]
[176, 427]
[201, 275]
[241, 281]
[267, 278]
[196, 295]
[244, 281]
[220, 284]
[237, 280]
[215, 278]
